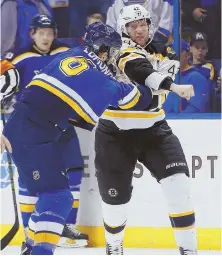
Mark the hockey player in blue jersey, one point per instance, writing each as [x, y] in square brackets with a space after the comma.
[76, 86]
[27, 63]
[45, 47]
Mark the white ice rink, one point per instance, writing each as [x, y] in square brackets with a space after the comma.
[15, 250]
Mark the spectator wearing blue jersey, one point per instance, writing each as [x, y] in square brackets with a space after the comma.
[199, 50]
[204, 16]
[200, 102]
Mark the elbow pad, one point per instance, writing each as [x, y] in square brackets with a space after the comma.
[156, 80]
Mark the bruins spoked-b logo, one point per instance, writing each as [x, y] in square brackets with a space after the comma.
[36, 175]
[113, 192]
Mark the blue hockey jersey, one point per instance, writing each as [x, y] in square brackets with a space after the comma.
[77, 85]
[29, 62]
[208, 71]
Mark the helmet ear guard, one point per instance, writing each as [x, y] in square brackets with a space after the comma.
[132, 13]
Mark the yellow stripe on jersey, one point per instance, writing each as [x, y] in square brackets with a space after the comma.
[25, 56]
[181, 214]
[211, 67]
[27, 207]
[160, 56]
[31, 234]
[75, 204]
[131, 56]
[132, 114]
[129, 50]
[63, 97]
[45, 237]
[132, 103]
[60, 49]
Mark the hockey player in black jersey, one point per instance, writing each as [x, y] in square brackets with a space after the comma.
[145, 136]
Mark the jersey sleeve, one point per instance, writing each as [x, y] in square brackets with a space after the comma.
[140, 70]
[9, 79]
[132, 97]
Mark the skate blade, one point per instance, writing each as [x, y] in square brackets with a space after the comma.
[69, 243]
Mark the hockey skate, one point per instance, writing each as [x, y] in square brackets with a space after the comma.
[187, 252]
[115, 249]
[25, 249]
[72, 238]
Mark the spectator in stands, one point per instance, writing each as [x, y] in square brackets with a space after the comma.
[16, 17]
[204, 16]
[200, 102]
[199, 49]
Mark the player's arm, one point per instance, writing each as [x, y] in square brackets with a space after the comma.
[129, 96]
[9, 79]
[139, 69]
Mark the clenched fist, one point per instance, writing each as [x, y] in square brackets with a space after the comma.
[183, 90]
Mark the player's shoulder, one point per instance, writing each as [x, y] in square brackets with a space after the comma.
[21, 55]
[58, 47]
[165, 49]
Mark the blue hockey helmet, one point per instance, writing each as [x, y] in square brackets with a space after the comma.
[100, 37]
[43, 21]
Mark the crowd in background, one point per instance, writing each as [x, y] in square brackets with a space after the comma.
[200, 48]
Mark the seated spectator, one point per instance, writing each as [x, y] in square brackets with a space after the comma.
[204, 16]
[200, 102]
[199, 49]
[16, 17]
